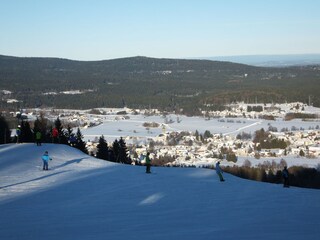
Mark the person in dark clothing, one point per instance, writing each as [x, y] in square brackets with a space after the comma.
[72, 140]
[148, 163]
[18, 133]
[219, 172]
[285, 175]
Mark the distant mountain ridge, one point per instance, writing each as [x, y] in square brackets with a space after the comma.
[271, 60]
[140, 82]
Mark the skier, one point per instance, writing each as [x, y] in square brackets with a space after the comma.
[18, 132]
[38, 138]
[219, 171]
[55, 135]
[45, 159]
[148, 163]
[72, 140]
[285, 175]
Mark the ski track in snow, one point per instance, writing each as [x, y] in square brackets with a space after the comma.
[242, 128]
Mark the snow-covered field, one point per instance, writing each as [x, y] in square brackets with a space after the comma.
[133, 127]
[81, 197]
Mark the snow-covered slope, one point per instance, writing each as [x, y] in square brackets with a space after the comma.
[84, 198]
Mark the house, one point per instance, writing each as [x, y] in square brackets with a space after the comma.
[314, 151]
[272, 152]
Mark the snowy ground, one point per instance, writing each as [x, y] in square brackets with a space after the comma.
[84, 198]
[114, 129]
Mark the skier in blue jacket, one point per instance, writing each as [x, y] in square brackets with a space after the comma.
[45, 159]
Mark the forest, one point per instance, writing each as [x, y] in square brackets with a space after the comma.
[141, 82]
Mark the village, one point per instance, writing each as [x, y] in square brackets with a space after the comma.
[203, 148]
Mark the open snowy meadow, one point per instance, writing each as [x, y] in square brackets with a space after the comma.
[113, 127]
[81, 197]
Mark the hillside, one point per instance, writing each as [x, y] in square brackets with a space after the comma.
[84, 198]
[149, 82]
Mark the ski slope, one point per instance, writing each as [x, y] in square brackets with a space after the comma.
[81, 197]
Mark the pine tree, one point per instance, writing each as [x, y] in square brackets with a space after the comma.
[123, 156]
[80, 144]
[5, 131]
[301, 153]
[70, 136]
[41, 124]
[116, 150]
[207, 134]
[26, 132]
[197, 135]
[102, 149]
[63, 139]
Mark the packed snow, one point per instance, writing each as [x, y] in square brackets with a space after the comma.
[81, 197]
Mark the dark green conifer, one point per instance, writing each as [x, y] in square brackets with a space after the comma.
[5, 131]
[102, 149]
[80, 144]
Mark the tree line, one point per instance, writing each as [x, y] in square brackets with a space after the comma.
[298, 176]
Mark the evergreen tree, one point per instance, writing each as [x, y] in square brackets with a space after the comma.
[197, 135]
[123, 156]
[301, 153]
[40, 124]
[102, 149]
[207, 134]
[260, 136]
[26, 132]
[116, 150]
[80, 144]
[63, 139]
[111, 155]
[58, 124]
[70, 136]
[201, 138]
[5, 131]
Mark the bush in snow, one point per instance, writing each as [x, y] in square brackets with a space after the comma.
[231, 157]
[151, 124]
[246, 163]
[244, 136]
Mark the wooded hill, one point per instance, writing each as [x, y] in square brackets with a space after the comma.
[139, 82]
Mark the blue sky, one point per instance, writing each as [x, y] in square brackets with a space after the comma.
[103, 29]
